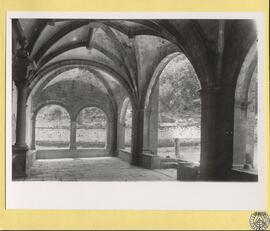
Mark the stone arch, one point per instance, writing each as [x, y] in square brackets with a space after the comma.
[245, 74]
[155, 77]
[242, 122]
[56, 69]
[109, 123]
[100, 107]
[112, 119]
[51, 102]
[151, 111]
[35, 114]
[37, 92]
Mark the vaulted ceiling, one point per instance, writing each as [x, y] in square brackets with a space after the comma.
[109, 46]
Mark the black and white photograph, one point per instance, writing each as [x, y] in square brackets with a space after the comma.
[134, 99]
[135, 111]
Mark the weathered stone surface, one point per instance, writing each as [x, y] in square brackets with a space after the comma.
[126, 57]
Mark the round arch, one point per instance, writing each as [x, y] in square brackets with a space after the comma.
[98, 131]
[247, 69]
[50, 136]
[161, 66]
[151, 115]
[51, 102]
[100, 107]
[156, 74]
[57, 68]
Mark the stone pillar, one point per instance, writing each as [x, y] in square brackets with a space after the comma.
[114, 137]
[121, 136]
[151, 115]
[109, 137]
[217, 133]
[137, 135]
[146, 128]
[33, 134]
[20, 148]
[240, 134]
[208, 103]
[21, 117]
[150, 136]
[20, 64]
[73, 129]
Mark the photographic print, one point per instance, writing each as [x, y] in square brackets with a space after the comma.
[134, 99]
[134, 115]
[135, 111]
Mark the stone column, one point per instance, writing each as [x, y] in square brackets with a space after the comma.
[217, 133]
[240, 134]
[20, 148]
[21, 117]
[121, 135]
[151, 115]
[33, 134]
[114, 137]
[208, 122]
[108, 136]
[137, 135]
[73, 129]
[150, 136]
[20, 63]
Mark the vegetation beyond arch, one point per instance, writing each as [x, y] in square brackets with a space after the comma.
[52, 127]
[92, 128]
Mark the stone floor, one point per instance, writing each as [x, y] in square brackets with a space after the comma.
[95, 169]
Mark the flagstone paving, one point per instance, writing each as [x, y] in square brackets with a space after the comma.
[95, 169]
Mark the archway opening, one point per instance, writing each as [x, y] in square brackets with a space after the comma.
[52, 128]
[91, 128]
[179, 110]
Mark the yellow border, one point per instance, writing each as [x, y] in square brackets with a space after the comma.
[30, 219]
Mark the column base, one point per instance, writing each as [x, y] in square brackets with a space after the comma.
[149, 160]
[19, 161]
[73, 148]
[187, 171]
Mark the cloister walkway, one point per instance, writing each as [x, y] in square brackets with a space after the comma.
[94, 169]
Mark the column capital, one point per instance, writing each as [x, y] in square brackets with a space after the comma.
[22, 65]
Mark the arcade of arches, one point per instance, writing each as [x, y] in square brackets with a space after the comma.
[69, 73]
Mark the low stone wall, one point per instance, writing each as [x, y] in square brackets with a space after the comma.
[66, 153]
[46, 143]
